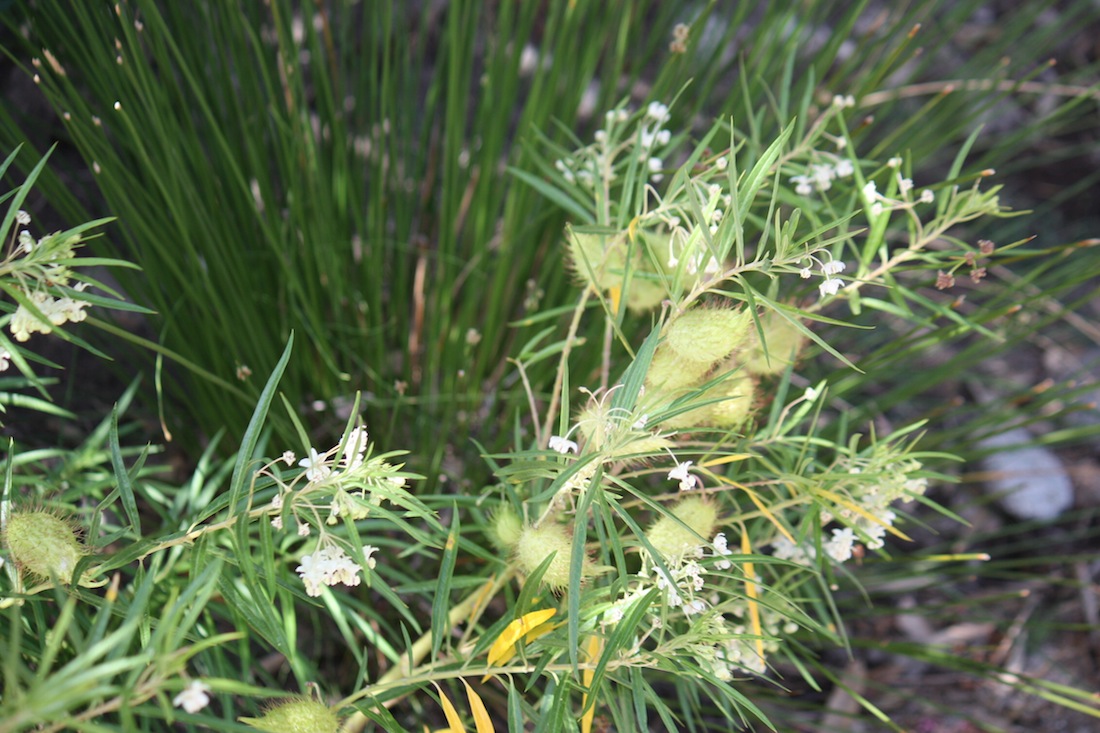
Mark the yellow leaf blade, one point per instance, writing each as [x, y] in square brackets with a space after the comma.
[592, 649]
[752, 593]
[505, 645]
[482, 721]
[453, 720]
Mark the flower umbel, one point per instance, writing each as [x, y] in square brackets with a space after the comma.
[328, 566]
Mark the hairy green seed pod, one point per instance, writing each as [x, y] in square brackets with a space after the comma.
[782, 342]
[43, 544]
[668, 371]
[705, 335]
[596, 258]
[537, 543]
[736, 393]
[298, 715]
[735, 408]
[505, 529]
[643, 294]
[602, 261]
[671, 538]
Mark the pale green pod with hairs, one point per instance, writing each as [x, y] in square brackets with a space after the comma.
[669, 535]
[43, 544]
[298, 715]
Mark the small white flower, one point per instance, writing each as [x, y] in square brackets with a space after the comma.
[696, 606]
[303, 529]
[681, 474]
[721, 548]
[657, 111]
[277, 503]
[22, 217]
[288, 457]
[656, 165]
[803, 185]
[840, 546]
[832, 267]
[277, 522]
[927, 196]
[870, 191]
[830, 286]
[905, 185]
[805, 273]
[810, 394]
[639, 424]
[26, 242]
[194, 697]
[315, 467]
[562, 445]
[844, 168]
[894, 162]
[877, 209]
[663, 137]
[369, 550]
[822, 175]
[5, 360]
[722, 163]
[355, 448]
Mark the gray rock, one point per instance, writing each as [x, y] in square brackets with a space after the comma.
[1029, 481]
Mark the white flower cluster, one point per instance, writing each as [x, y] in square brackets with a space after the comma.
[736, 648]
[652, 134]
[357, 481]
[820, 176]
[331, 566]
[877, 202]
[58, 312]
[37, 266]
[874, 485]
[684, 583]
[596, 162]
[830, 285]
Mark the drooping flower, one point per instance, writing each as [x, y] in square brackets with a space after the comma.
[314, 464]
[681, 474]
[562, 444]
[194, 697]
[830, 286]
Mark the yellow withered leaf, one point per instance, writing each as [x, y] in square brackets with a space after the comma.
[752, 594]
[477, 707]
[454, 722]
[592, 649]
[505, 646]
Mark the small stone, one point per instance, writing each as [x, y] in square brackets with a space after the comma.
[1029, 480]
